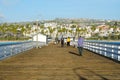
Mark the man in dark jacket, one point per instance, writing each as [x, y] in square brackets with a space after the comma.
[62, 42]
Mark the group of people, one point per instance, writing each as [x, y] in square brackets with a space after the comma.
[80, 43]
[62, 41]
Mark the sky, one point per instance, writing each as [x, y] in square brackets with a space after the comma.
[31, 10]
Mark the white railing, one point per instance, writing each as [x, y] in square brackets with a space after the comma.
[13, 48]
[108, 49]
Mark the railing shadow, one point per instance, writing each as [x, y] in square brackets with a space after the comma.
[92, 72]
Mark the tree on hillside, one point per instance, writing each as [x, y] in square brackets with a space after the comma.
[77, 31]
[73, 26]
[64, 30]
[51, 30]
[93, 28]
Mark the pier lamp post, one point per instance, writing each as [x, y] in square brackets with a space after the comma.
[37, 34]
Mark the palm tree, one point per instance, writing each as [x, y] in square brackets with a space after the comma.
[73, 26]
[59, 31]
[93, 28]
[77, 31]
[15, 31]
[70, 31]
[51, 30]
[42, 31]
[23, 30]
[1, 31]
[4, 30]
[4, 27]
[9, 30]
[29, 28]
[64, 30]
[113, 34]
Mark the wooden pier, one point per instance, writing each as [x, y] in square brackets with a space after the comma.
[54, 62]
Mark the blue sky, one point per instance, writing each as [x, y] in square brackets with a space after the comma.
[29, 10]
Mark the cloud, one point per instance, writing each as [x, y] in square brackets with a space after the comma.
[9, 2]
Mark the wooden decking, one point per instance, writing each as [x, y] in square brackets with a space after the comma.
[55, 63]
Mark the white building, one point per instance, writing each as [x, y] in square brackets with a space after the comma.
[111, 30]
[96, 30]
[52, 24]
[118, 29]
[87, 35]
[40, 37]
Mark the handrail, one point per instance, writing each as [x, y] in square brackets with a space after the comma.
[8, 49]
[108, 49]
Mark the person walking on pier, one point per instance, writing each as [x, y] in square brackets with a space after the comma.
[62, 42]
[56, 40]
[80, 45]
[68, 41]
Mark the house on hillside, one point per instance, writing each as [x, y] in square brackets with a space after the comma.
[51, 24]
[103, 30]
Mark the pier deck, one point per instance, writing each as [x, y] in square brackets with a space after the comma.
[55, 63]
